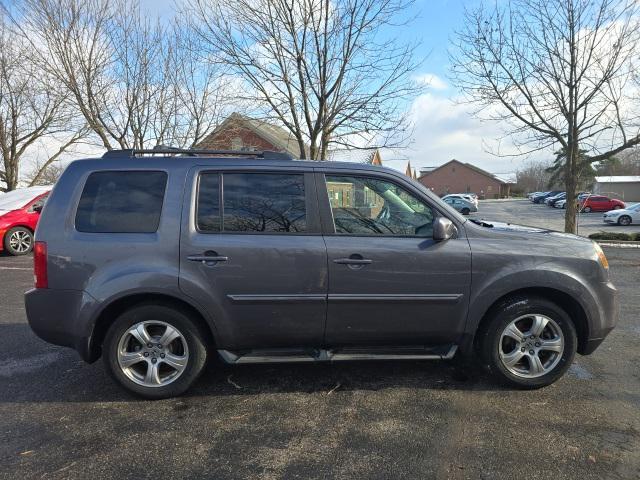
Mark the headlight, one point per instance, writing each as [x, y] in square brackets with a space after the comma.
[601, 256]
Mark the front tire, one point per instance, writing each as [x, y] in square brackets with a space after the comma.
[155, 351]
[18, 241]
[529, 342]
[624, 220]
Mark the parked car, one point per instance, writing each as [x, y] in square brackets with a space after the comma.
[550, 201]
[19, 214]
[624, 216]
[560, 203]
[533, 194]
[544, 196]
[461, 205]
[471, 198]
[150, 263]
[600, 203]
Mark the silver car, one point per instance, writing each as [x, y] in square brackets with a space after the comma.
[461, 205]
[625, 216]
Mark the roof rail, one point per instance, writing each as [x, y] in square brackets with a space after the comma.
[266, 154]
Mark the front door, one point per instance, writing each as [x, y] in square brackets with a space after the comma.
[390, 283]
[252, 252]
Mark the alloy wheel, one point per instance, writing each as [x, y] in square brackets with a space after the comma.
[531, 346]
[152, 353]
[624, 220]
[20, 241]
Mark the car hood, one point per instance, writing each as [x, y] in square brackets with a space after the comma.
[619, 212]
[513, 230]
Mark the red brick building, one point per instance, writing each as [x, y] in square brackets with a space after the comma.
[238, 132]
[458, 177]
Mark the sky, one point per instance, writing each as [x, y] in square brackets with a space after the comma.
[443, 129]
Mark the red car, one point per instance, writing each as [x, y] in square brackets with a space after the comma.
[19, 214]
[600, 203]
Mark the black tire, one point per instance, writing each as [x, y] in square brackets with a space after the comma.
[177, 318]
[617, 207]
[465, 211]
[586, 209]
[624, 220]
[509, 310]
[23, 231]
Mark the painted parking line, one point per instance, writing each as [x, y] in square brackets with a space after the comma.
[16, 268]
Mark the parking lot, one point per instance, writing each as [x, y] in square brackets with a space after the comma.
[61, 418]
[540, 215]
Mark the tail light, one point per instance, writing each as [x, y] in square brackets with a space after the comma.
[40, 265]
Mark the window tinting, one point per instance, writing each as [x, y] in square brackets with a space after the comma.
[264, 202]
[209, 203]
[121, 202]
[370, 206]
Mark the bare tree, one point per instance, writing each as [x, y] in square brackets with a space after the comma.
[533, 177]
[132, 78]
[322, 69]
[557, 74]
[45, 175]
[32, 110]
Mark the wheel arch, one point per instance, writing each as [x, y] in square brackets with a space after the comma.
[565, 301]
[113, 309]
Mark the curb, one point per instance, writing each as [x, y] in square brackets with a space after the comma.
[618, 243]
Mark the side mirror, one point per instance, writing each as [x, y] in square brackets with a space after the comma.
[37, 208]
[443, 229]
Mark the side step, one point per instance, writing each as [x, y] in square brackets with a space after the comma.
[444, 352]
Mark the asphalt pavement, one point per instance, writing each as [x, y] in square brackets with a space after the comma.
[537, 215]
[63, 419]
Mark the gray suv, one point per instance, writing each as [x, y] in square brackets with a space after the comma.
[156, 259]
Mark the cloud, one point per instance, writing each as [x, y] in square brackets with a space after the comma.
[432, 81]
[445, 129]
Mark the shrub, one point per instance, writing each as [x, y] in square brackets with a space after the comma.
[615, 236]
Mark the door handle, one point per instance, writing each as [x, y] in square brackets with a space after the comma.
[209, 260]
[353, 261]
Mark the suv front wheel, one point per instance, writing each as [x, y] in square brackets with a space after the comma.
[155, 351]
[529, 342]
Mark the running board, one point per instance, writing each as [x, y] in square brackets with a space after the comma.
[344, 354]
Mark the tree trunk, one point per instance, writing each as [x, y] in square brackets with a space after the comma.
[570, 181]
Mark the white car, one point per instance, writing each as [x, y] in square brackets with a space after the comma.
[624, 216]
[560, 204]
[464, 196]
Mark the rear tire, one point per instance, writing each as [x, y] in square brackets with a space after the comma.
[546, 347]
[586, 209]
[155, 351]
[18, 241]
[624, 220]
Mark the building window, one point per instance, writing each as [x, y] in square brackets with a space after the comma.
[236, 143]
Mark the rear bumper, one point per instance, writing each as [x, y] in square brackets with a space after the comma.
[56, 317]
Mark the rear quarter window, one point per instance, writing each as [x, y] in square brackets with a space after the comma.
[121, 202]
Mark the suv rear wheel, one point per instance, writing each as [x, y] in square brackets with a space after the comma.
[529, 342]
[18, 241]
[155, 351]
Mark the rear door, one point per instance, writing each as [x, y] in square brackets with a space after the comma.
[390, 283]
[251, 251]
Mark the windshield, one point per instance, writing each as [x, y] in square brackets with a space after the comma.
[18, 198]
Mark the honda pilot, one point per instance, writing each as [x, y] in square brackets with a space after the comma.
[158, 260]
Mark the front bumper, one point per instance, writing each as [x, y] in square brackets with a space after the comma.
[606, 296]
[58, 317]
[610, 219]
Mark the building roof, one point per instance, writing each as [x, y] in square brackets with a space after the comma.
[274, 134]
[355, 155]
[502, 178]
[619, 179]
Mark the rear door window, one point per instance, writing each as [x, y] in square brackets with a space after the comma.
[121, 202]
[252, 202]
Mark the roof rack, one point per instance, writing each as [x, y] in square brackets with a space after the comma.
[161, 150]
